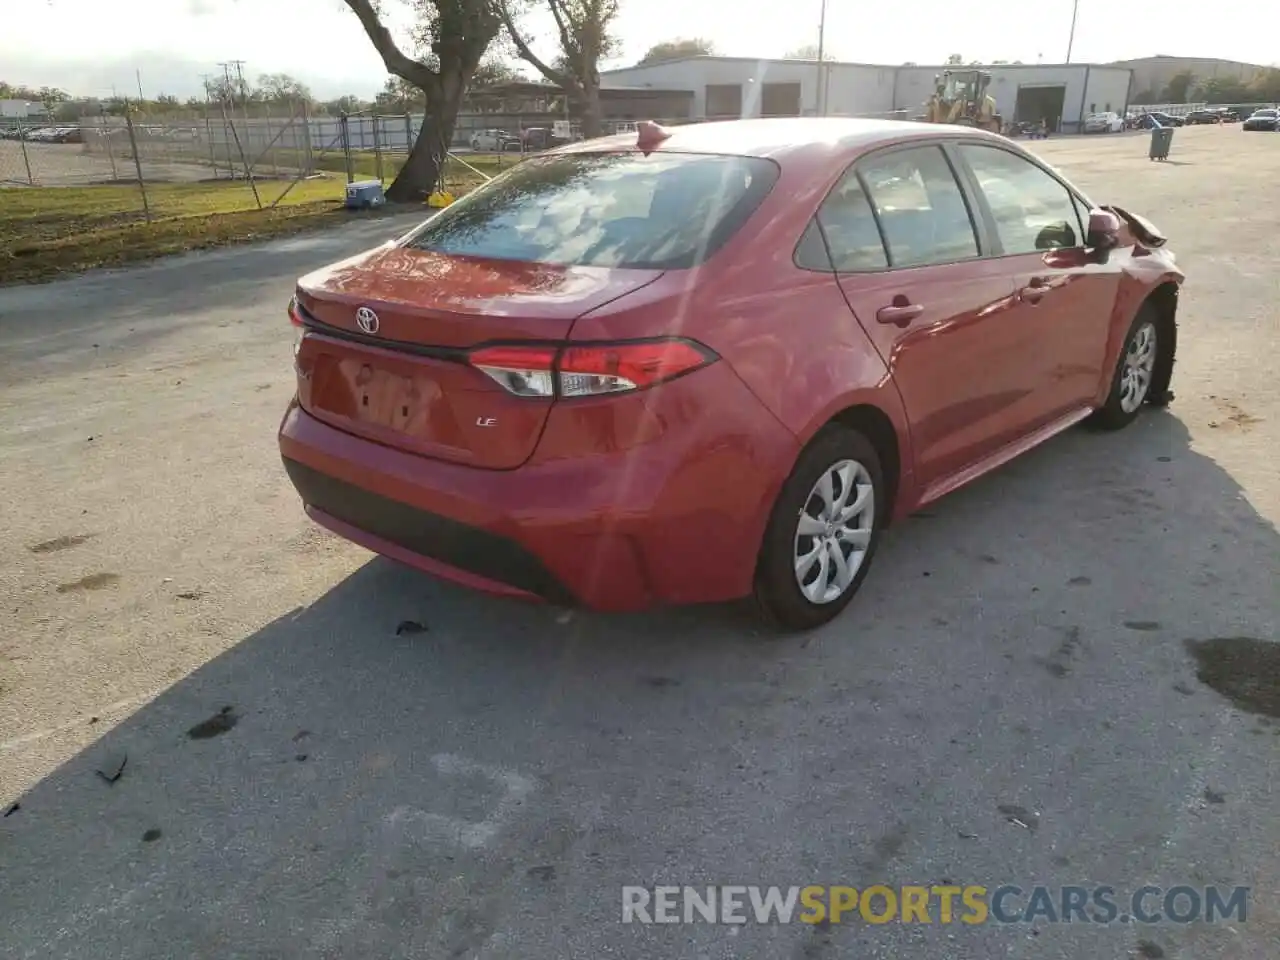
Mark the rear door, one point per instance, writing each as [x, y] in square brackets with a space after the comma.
[1065, 300]
[909, 257]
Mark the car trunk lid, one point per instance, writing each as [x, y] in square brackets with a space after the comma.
[388, 333]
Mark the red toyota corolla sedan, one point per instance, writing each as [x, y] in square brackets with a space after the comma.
[716, 360]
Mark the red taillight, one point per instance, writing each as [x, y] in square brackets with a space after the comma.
[590, 369]
[295, 313]
[524, 371]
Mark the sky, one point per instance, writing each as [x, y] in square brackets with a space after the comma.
[90, 47]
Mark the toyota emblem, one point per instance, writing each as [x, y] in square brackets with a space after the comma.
[367, 320]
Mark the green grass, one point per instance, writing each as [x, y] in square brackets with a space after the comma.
[365, 165]
[49, 231]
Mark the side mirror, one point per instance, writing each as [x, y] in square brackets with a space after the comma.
[1104, 230]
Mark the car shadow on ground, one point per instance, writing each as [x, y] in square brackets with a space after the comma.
[406, 769]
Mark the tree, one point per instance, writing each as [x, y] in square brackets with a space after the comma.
[282, 88]
[955, 60]
[1267, 86]
[677, 49]
[583, 32]
[808, 52]
[1145, 98]
[400, 96]
[1179, 86]
[348, 104]
[492, 72]
[1223, 90]
[452, 36]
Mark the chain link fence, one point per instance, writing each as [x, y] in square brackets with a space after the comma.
[73, 195]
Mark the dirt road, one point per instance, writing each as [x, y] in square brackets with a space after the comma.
[1011, 700]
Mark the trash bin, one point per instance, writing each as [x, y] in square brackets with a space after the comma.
[1161, 138]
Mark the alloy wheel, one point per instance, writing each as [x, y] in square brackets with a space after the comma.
[1139, 364]
[834, 531]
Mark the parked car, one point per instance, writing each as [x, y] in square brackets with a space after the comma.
[1265, 119]
[1201, 117]
[1148, 120]
[494, 140]
[635, 370]
[541, 138]
[1103, 123]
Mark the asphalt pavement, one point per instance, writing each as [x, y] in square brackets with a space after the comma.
[226, 733]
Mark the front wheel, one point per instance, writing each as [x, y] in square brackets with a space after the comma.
[823, 531]
[1134, 373]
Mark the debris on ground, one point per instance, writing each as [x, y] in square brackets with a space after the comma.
[113, 768]
[1020, 816]
[215, 726]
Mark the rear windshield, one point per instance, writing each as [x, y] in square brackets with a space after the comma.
[665, 211]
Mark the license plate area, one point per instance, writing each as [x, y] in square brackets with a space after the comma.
[400, 403]
[391, 400]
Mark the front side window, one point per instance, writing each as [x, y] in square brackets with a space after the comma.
[1033, 211]
[664, 211]
[921, 210]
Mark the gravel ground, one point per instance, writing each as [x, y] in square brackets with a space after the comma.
[1012, 699]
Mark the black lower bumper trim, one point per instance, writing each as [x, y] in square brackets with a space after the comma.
[428, 534]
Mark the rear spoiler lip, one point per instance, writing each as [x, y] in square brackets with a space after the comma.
[1143, 229]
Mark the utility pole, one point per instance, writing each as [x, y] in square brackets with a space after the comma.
[1071, 39]
[244, 91]
[821, 96]
[226, 81]
[138, 72]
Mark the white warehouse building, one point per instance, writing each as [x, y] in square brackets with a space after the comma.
[727, 87]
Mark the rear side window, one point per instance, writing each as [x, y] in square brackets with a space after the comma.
[664, 211]
[921, 210]
[850, 228]
[1033, 211]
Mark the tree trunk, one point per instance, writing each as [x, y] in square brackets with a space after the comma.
[421, 172]
[592, 114]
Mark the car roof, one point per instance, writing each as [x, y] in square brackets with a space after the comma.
[779, 137]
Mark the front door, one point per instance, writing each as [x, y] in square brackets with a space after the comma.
[1065, 298]
[910, 263]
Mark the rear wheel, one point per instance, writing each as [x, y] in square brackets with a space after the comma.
[823, 531]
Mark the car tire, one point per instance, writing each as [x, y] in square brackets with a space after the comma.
[796, 600]
[1142, 372]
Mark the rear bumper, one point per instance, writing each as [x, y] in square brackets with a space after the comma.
[423, 539]
[672, 521]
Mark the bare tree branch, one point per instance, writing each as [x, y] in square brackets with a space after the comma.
[560, 77]
[395, 60]
[567, 39]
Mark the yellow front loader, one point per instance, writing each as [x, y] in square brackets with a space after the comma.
[961, 97]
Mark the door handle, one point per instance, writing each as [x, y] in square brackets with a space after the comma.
[1034, 291]
[899, 314]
